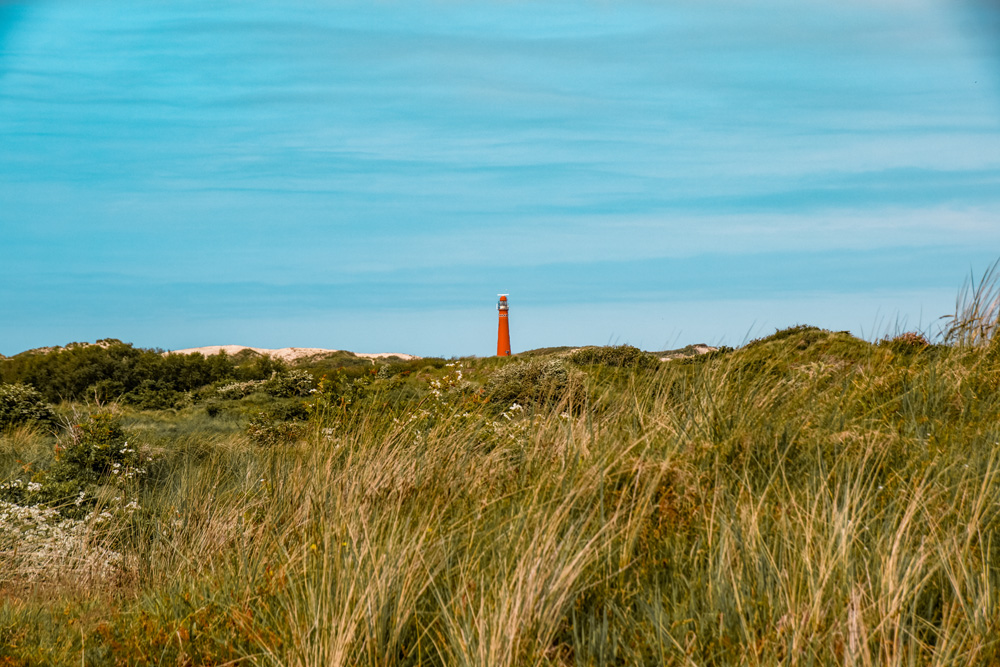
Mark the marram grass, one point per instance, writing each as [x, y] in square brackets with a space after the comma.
[808, 499]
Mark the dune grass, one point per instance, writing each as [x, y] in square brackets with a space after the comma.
[808, 499]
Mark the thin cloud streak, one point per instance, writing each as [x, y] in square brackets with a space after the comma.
[314, 144]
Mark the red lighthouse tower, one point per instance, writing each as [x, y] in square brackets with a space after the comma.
[503, 331]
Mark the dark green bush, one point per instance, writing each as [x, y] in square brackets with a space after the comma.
[289, 383]
[153, 395]
[112, 370]
[618, 356]
[535, 382]
[257, 367]
[21, 404]
[269, 430]
[98, 452]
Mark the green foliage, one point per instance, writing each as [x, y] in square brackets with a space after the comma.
[269, 430]
[283, 384]
[289, 383]
[111, 370]
[21, 404]
[97, 453]
[803, 344]
[616, 356]
[803, 333]
[809, 498]
[97, 450]
[908, 343]
[236, 390]
[535, 382]
[152, 395]
[253, 366]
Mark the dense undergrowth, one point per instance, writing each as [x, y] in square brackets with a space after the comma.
[807, 499]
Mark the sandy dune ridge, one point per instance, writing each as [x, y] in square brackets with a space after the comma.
[689, 351]
[289, 354]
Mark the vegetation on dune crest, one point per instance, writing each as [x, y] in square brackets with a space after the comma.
[807, 499]
[623, 356]
[21, 404]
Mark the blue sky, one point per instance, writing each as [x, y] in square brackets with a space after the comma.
[369, 175]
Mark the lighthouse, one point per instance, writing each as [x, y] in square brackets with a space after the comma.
[503, 330]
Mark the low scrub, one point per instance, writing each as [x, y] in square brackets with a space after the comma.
[616, 356]
[535, 382]
[269, 430]
[94, 459]
[21, 404]
[807, 499]
[280, 385]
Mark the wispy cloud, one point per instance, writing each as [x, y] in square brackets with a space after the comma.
[537, 144]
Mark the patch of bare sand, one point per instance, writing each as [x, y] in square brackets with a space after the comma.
[689, 351]
[287, 354]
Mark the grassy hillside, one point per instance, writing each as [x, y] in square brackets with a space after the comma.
[809, 498]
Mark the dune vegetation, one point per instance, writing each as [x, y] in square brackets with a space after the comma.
[809, 498]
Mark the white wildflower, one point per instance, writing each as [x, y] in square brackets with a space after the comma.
[49, 545]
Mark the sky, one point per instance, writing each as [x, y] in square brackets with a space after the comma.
[369, 176]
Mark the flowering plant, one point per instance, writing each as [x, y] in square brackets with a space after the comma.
[97, 454]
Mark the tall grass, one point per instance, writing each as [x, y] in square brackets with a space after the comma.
[977, 310]
[809, 499]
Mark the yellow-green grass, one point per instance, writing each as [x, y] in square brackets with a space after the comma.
[808, 499]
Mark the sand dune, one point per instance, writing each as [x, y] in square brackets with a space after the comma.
[689, 351]
[288, 354]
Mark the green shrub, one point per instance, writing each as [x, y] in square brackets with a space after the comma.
[110, 369]
[535, 382]
[236, 390]
[290, 383]
[267, 430]
[285, 384]
[152, 395]
[618, 356]
[98, 452]
[21, 404]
